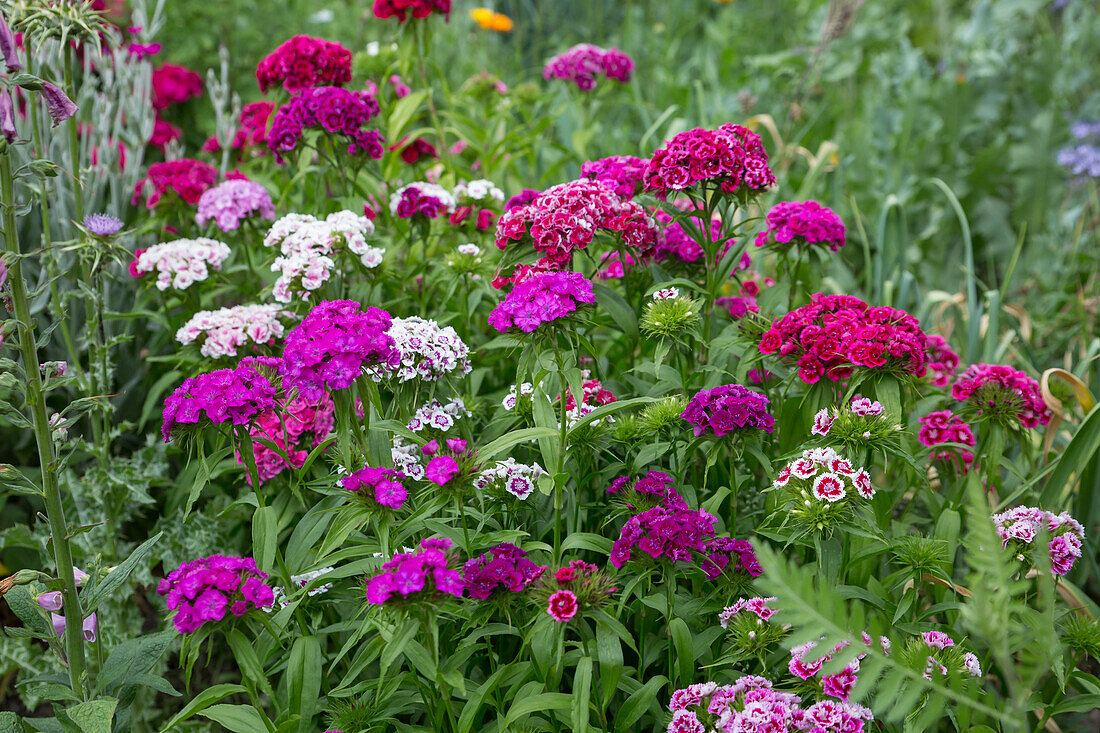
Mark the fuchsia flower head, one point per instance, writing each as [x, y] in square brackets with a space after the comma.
[304, 61]
[834, 334]
[184, 177]
[731, 157]
[332, 344]
[423, 574]
[584, 63]
[377, 487]
[622, 173]
[1003, 394]
[236, 396]
[678, 534]
[174, 84]
[202, 590]
[946, 427]
[542, 299]
[726, 409]
[806, 223]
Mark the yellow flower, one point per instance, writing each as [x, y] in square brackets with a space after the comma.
[491, 21]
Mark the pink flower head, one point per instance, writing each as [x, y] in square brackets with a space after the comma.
[202, 590]
[562, 605]
[379, 486]
[731, 156]
[946, 427]
[186, 178]
[410, 9]
[441, 469]
[823, 420]
[1005, 393]
[807, 223]
[304, 61]
[237, 396]
[584, 63]
[174, 84]
[542, 299]
[424, 572]
[336, 112]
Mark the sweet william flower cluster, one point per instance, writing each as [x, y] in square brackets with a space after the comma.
[335, 111]
[1020, 526]
[421, 199]
[377, 487]
[806, 223]
[542, 299]
[181, 263]
[221, 333]
[584, 63]
[424, 573]
[428, 352]
[237, 396]
[731, 157]
[295, 426]
[727, 409]
[185, 178]
[621, 173]
[309, 250]
[1002, 393]
[204, 590]
[302, 62]
[231, 202]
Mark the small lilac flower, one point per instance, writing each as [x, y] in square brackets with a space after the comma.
[7, 117]
[50, 601]
[8, 47]
[102, 225]
[88, 628]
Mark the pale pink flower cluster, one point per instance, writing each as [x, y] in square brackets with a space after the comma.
[827, 475]
[183, 262]
[758, 606]
[862, 406]
[518, 479]
[309, 248]
[428, 352]
[225, 330]
[1021, 525]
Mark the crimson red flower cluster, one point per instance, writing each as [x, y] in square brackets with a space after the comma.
[733, 157]
[836, 333]
[302, 62]
[416, 9]
[174, 84]
[567, 217]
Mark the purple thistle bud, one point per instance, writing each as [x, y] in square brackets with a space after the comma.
[7, 46]
[102, 225]
[58, 103]
[7, 117]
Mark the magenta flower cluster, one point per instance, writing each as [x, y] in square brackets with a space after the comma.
[945, 426]
[377, 487]
[542, 299]
[731, 157]
[1020, 526]
[675, 243]
[568, 216]
[1004, 391]
[724, 409]
[676, 535]
[237, 396]
[503, 567]
[806, 223]
[233, 201]
[655, 486]
[203, 590]
[187, 178]
[424, 571]
[303, 61]
[334, 110]
[836, 333]
[332, 344]
[584, 63]
[621, 173]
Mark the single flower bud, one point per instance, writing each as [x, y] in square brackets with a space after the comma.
[58, 104]
[50, 601]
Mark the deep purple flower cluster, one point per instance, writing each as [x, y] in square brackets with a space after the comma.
[583, 63]
[422, 571]
[1004, 392]
[621, 173]
[203, 590]
[505, 566]
[727, 408]
[238, 396]
[735, 556]
[802, 222]
[731, 156]
[332, 344]
[377, 486]
[664, 532]
[336, 111]
[541, 299]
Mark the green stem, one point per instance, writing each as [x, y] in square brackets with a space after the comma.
[670, 602]
[563, 439]
[36, 401]
[74, 137]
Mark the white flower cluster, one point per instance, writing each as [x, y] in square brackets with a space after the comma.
[302, 581]
[426, 190]
[479, 189]
[185, 261]
[433, 415]
[666, 294]
[469, 249]
[225, 330]
[515, 392]
[428, 351]
[309, 247]
[518, 479]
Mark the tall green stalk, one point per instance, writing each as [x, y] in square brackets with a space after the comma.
[36, 401]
